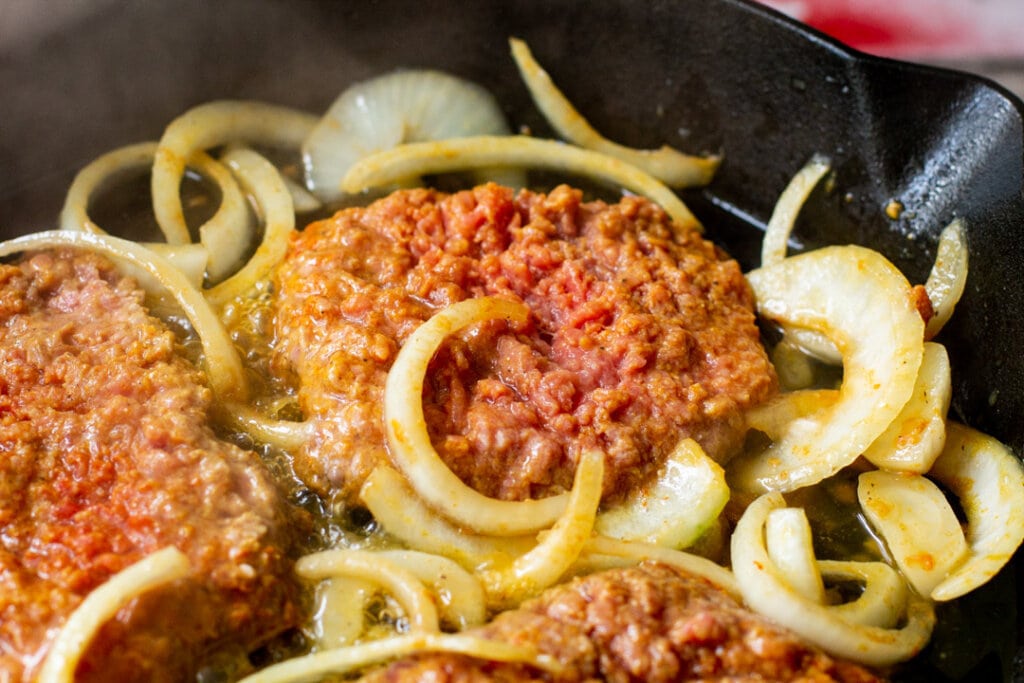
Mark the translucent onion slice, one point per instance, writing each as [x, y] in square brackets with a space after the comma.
[917, 523]
[231, 212]
[212, 125]
[946, 282]
[401, 583]
[401, 513]
[883, 598]
[836, 290]
[671, 166]
[677, 507]
[793, 365]
[190, 259]
[558, 548]
[915, 438]
[343, 660]
[790, 546]
[263, 181]
[773, 417]
[338, 613]
[223, 366]
[459, 594]
[409, 442]
[766, 591]
[284, 434]
[989, 481]
[787, 208]
[462, 154]
[383, 112]
[600, 549]
[156, 569]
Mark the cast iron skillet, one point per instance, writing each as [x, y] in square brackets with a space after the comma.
[705, 75]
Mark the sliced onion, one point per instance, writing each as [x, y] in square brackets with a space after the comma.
[316, 666]
[559, 547]
[459, 594]
[211, 125]
[396, 108]
[836, 290]
[915, 438]
[917, 523]
[776, 415]
[223, 366]
[787, 208]
[402, 584]
[882, 599]
[670, 166]
[402, 514]
[462, 154]
[766, 591]
[948, 278]
[677, 508]
[155, 570]
[409, 442]
[75, 215]
[793, 365]
[285, 434]
[599, 549]
[190, 259]
[790, 546]
[263, 181]
[989, 480]
[338, 611]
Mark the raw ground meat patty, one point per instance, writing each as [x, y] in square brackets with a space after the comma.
[106, 457]
[640, 334]
[650, 623]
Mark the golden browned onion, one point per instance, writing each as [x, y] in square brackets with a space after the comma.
[948, 277]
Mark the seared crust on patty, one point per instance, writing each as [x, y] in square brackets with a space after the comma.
[640, 334]
[107, 457]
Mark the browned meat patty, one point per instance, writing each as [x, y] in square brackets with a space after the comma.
[648, 623]
[640, 334]
[106, 457]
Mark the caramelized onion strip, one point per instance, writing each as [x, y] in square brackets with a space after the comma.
[211, 125]
[343, 660]
[766, 591]
[669, 165]
[836, 290]
[409, 442]
[154, 570]
[223, 366]
[446, 156]
[285, 434]
[402, 584]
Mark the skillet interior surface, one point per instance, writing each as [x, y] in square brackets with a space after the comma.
[718, 75]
